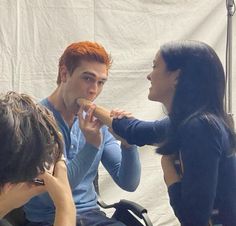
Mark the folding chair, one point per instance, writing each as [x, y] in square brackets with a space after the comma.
[128, 212]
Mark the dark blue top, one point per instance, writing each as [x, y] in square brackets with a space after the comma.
[208, 184]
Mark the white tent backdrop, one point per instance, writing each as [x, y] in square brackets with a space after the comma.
[34, 33]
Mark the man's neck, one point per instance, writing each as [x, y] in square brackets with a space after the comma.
[58, 103]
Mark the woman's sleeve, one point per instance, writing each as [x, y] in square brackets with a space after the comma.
[141, 132]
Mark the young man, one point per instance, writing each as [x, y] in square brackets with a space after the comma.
[31, 148]
[83, 71]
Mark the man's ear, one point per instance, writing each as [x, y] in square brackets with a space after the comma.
[63, 73]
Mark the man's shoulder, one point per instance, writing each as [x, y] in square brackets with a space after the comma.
[45, 102]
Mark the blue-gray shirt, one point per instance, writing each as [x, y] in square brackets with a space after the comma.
[82, 164]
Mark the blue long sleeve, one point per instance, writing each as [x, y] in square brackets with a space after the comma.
[141, 132]
[124, 166]
[79, 165]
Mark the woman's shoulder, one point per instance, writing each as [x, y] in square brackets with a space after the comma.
[206, 131]
[205, 123]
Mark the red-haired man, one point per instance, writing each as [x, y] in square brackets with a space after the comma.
[83, 71]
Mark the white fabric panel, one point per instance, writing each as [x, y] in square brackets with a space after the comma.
[34, 33]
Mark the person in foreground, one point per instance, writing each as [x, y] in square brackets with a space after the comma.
[188, 78]
[31, 148]
[83, 71]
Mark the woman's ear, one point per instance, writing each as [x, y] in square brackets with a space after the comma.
[176, 75]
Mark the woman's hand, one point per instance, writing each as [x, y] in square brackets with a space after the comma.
[120, 113]
[168, 166]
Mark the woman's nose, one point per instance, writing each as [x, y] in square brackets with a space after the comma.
[149, 77]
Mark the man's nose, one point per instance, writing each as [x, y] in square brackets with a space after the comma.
[93, 88]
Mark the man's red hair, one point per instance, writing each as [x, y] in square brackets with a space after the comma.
[88, 51]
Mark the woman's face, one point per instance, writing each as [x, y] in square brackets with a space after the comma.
[163, 82]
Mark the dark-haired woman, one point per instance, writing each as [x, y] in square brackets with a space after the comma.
[188, 78]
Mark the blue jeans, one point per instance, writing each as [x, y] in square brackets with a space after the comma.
[37, 224]
[96, 218]
[87, 218]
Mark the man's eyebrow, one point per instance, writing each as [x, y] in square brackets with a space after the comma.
[93, 75]
[89, 73]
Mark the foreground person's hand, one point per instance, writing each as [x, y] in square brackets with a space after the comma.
[59, 190]
[15, 195]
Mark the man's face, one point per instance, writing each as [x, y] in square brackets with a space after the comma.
[86, 81]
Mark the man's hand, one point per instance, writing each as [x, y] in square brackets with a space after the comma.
[90, 126]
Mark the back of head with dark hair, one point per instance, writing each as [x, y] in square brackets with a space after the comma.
[201, 83]
[78, 51]
[29, 139]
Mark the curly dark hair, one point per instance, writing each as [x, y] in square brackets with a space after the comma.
[30, 140]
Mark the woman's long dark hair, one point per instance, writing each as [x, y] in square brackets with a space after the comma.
[200, 88]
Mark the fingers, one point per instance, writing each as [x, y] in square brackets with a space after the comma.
[60, 169]
[88, 116]
[90, 126]
[97, 124]
[89, 113]
[80, 114]
[120, 113]
[59, 172]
